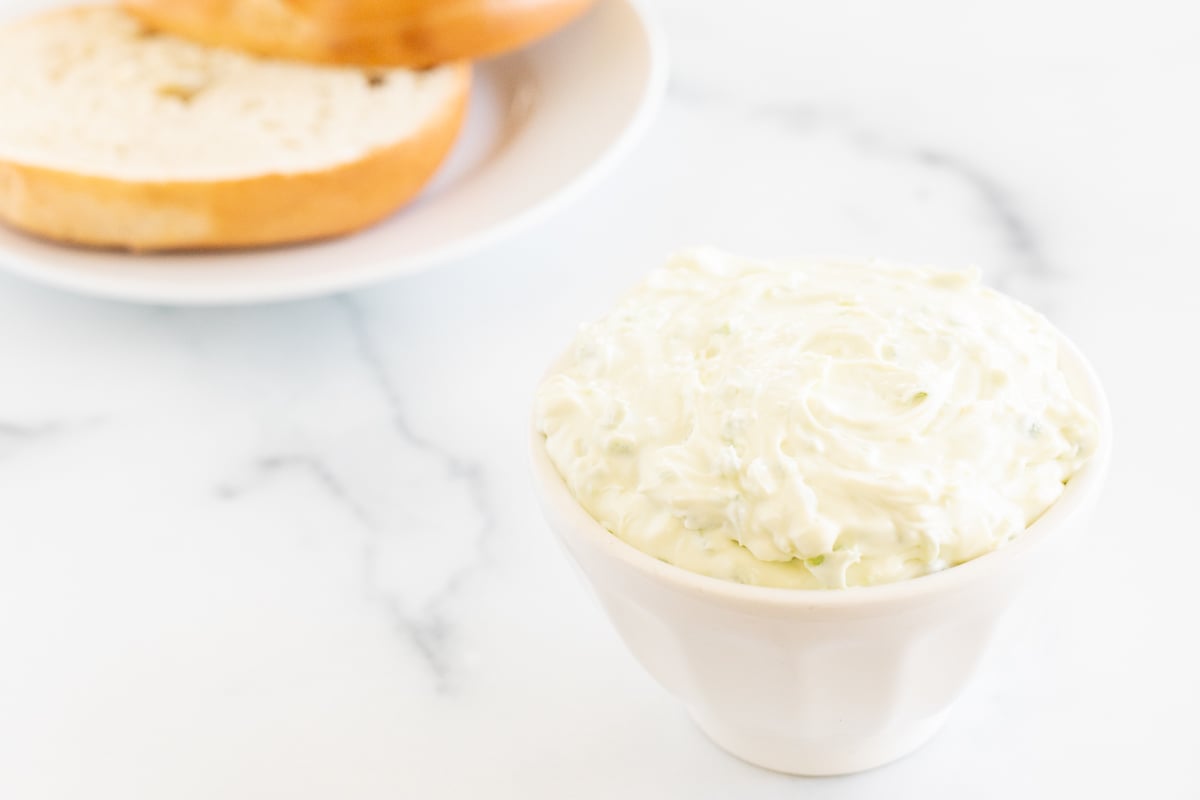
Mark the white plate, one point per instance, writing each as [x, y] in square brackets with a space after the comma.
[543, 125]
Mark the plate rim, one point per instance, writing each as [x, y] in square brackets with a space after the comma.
[335, 282]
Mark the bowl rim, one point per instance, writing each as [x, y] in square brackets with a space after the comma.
[1079, 493]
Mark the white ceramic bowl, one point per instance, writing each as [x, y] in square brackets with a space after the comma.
[821, 682]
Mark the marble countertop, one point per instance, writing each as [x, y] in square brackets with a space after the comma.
[291, 551]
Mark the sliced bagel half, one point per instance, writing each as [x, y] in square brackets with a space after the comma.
[115, 135]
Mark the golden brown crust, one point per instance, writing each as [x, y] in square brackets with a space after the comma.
[410, 33]
[251, 212]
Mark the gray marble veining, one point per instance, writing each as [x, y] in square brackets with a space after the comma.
[17, 436]
[999, 208]
[430, 627]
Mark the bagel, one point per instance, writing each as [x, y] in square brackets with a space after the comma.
[113, 135]
[411, 33]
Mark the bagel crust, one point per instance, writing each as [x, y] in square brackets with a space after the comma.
[378, 33]
[261, 210]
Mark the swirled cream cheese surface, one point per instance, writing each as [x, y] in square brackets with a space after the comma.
[814, 425]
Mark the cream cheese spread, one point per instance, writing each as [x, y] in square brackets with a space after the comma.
[814, 425]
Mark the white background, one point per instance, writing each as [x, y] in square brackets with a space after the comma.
[291, 552]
